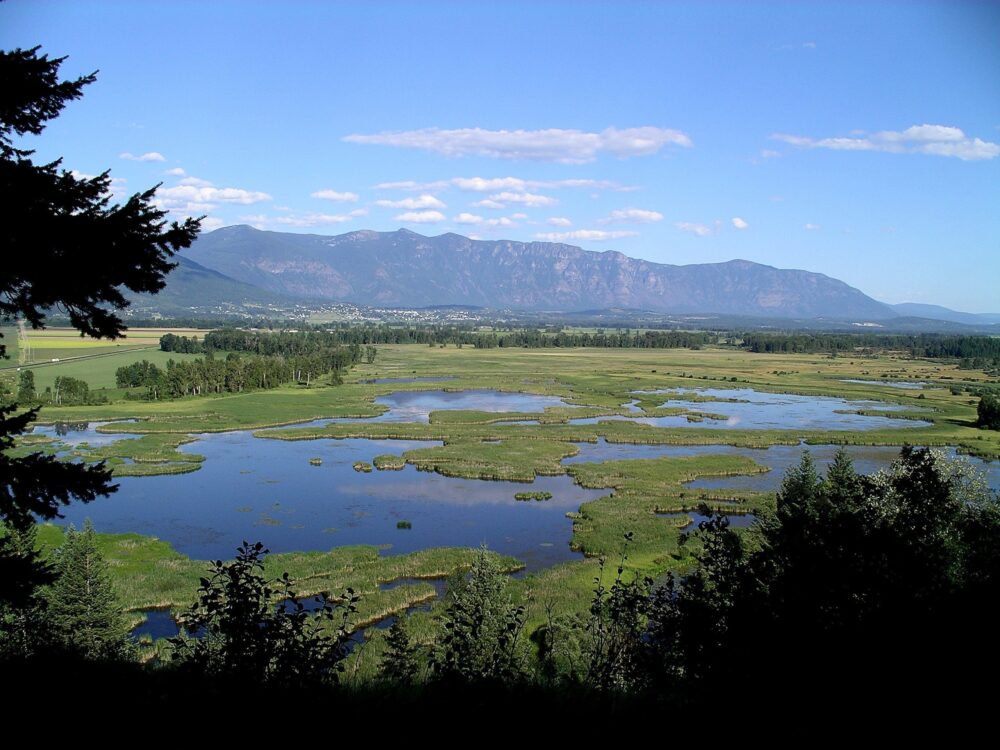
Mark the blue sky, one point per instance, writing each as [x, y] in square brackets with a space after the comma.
[860, 140]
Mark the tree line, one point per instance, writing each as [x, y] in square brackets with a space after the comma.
[237, 373]
[986, 349]
[289, 342]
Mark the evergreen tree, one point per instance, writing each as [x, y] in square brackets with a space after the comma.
[482, 627]
[64, 245]
[844, 592]
[23, 626]
[400, 663]
[84, 609]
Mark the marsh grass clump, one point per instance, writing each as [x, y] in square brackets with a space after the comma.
[539, 496]
[389, 462]
[404, 525]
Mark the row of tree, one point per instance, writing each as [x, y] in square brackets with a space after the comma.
[985, 349]
[973, 351]
[269, 343]
[234, 374]
[65, 391]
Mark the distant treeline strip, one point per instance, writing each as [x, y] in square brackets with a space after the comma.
[979, 350]
[934, 346]
[232, 339]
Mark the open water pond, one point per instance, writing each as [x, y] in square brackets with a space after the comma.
[907, 386]
[416, 406]
[748, 409]
[74, 433]
[159, 623]
[250, 489]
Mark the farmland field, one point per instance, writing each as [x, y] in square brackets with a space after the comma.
[55, 352]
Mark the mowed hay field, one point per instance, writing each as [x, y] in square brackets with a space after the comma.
[55, 352]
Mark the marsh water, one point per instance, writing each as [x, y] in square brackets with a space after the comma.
[747, 409]
[416, 406]
[253, 488]
[905, 385]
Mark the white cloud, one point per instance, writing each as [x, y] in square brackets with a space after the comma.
[421, 217]
[811, 227]
[211, 222]
[527, 199]
[594, 235]
[519, 216]
[487, 203]
[475, 220]
[148, 156]
[559, 221]
[485, 185]
[304, 220]
[424, 201]
[194, 196]
[207, 194]
[701, 230]
[935, 140]
[768, 153]
[552, 144]
[412, 185]
[333, 195]
[633, 215]
[739, 223]
[589, 184]
[175, 172]
[196, 181]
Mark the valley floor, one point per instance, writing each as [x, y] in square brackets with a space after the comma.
[646, 497]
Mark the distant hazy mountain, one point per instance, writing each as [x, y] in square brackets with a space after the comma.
[943, 313]
[406, 269]
[192, 286]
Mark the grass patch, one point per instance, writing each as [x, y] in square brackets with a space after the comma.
[538, 496]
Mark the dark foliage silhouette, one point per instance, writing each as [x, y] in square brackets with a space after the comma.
[65, 246]
[845, 590]
[251, 629]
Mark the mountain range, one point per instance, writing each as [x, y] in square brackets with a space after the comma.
[240, 264]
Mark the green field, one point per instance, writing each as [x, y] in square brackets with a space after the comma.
[59, 352]
[480, 445]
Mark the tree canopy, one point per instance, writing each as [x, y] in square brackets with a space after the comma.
[988, 412]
